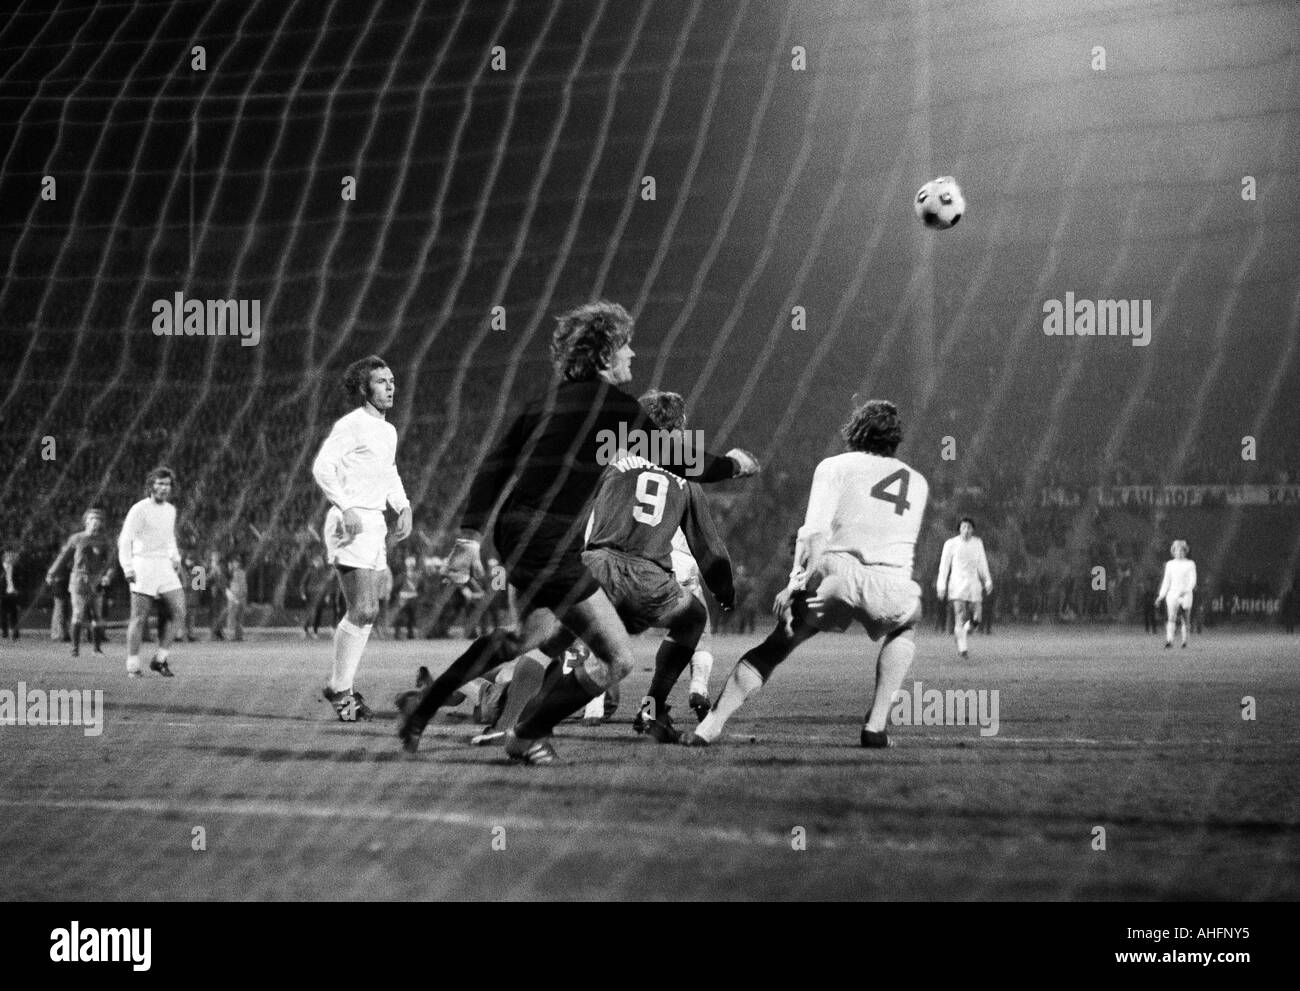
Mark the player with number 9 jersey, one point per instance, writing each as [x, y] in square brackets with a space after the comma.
[638, 509]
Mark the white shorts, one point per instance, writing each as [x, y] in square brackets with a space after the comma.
[364, 550]
[154, 576]
[843, 589]
[1172, 604]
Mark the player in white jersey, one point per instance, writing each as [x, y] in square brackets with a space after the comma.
[357, 470]
[147, 552]
[1176, 591]
[853, 561]
[964, 579]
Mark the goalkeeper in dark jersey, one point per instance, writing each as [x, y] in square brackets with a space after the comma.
[538, 484]
[91, 555]
[639, 509]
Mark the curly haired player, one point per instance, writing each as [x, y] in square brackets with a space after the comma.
[853, 561]
[541, 476]
[645, 521]
[1176, 591]
[357, 470]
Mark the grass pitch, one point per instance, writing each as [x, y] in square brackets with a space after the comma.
[239, 758]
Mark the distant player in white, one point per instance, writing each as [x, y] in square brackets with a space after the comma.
[357, 470]
[964, 578]
[147, 552]
[1176, 591]
[853, 561]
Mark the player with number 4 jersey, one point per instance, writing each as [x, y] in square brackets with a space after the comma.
[853, 561]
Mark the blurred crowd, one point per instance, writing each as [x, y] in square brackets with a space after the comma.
[249, 513]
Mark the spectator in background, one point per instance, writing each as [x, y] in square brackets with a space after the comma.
[1150, 619]
[316, 591]
[60, 629]
[9, 595]
[192, 575]
[237, 596]
[746, 611]
[996, 563]
[383, 596]
[216, 596]
[494, 613]
[408, 598]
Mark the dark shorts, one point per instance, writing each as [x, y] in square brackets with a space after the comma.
[542, 555]
[644, 594]
[85, 598]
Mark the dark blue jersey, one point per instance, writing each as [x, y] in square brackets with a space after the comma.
[550, 459]
[91, 556]
[639, 507]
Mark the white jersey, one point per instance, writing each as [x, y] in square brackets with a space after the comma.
[357, 465]
[684, 567]
[148, 532]
[868, 506]
[1180, 579]
[963, 570]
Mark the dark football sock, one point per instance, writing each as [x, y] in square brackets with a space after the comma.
[483, 655]
[76, 636]
[670, 661]
[565, 696]
[768, 654]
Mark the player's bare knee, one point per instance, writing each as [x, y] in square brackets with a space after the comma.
[364, 613]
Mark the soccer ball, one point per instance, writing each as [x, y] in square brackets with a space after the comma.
[939, 203]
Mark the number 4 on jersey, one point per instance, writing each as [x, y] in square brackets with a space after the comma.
[881, 490]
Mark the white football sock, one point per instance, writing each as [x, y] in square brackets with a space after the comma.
[701, 668]
[162, 654]
[595, 708]
[891, 667]
[349, 643]
[133, 664]
[743, 682]
[961, 636]
[1170, 626]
